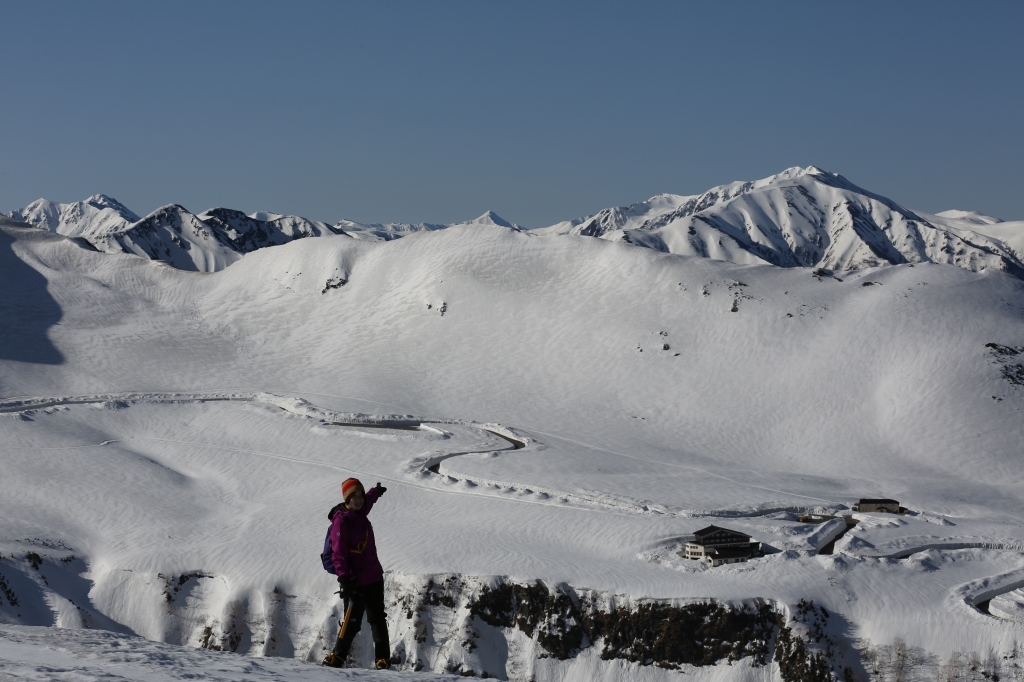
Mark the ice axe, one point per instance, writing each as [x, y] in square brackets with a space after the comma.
[344, 623]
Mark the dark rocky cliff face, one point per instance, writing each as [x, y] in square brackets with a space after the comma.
[502, 628]
[564, 622]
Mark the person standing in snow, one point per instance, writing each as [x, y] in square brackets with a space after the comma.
[359, 572]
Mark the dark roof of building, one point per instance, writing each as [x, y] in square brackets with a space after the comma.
[704, 532]
[730, 552]
[866, 500]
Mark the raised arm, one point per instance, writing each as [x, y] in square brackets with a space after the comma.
[372, 495]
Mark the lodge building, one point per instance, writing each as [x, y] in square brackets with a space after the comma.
[719, 546]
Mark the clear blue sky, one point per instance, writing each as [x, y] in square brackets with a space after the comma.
[438, 111]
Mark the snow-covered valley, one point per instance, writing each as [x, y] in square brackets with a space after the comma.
[542, 405]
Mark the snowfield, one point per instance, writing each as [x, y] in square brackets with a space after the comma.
[556, 408]
[88, 654]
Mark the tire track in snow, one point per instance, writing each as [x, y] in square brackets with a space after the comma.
[430, 465]
[306, 410]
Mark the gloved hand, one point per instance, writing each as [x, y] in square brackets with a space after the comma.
[348, 586]
[380, 489]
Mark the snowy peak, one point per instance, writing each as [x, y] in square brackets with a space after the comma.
[102, 201]
[490, 218]
[668, 207]
[801, 217]
[41, 213]
[96, 215]
[173, 235]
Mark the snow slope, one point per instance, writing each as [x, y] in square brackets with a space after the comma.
[170, 429]
[62, 654]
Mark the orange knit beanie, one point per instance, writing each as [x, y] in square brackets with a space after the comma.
[350, 486]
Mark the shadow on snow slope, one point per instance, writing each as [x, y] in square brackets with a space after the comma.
[26, 308]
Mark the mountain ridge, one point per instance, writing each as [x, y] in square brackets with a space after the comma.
[801, 217]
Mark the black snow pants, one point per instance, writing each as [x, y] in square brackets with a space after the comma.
[368, 599]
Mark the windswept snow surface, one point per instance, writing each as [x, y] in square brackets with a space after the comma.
[34, 653]
[172, 440]
[47, 654]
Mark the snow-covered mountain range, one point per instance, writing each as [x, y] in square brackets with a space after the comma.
[206, 242]
[801, 217]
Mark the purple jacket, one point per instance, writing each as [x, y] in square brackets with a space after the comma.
[352, 545]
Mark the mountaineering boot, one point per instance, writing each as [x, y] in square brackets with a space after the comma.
[333, 661]
[382, 664]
